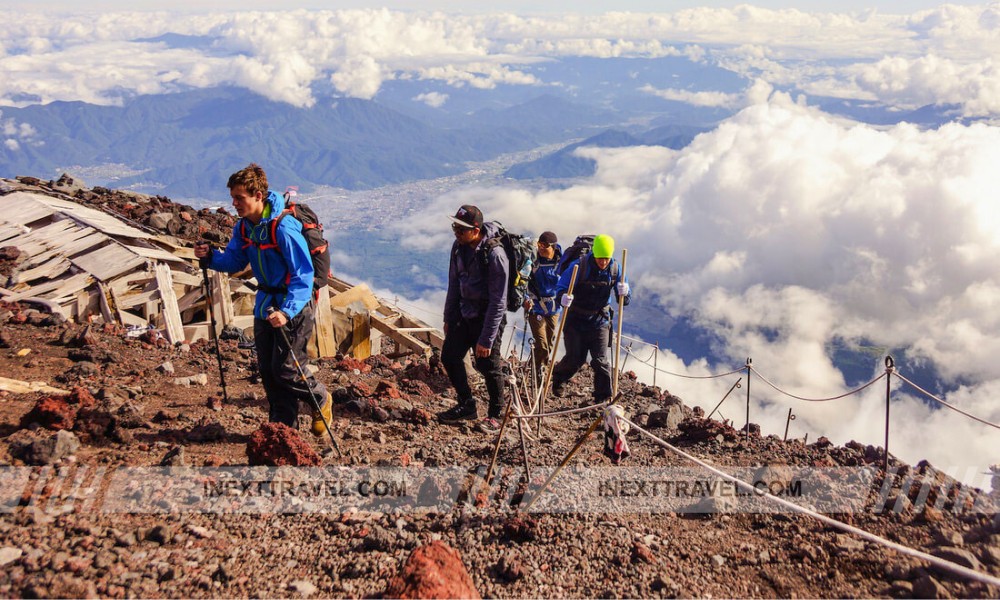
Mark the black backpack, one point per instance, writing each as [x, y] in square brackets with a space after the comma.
[520, 251]
[582, 245]
[312, 230]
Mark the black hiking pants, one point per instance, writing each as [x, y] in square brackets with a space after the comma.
[462, 337]
[579, 341]
[282, 383]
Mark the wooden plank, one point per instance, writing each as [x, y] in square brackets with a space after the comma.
[96, 219]
[243, 321]
[135, 299]
[16, 386]
[188, 279]
[105, 305]
[361, 344]
[195, 332]
[108, 262]
[323, 331]
[24, 207]
[359, 293]
[155, 254]
[9, 231]
[171, 313]
[53, 268]
[401, 338]
[60, 286]
[191, 299]
[222, 301]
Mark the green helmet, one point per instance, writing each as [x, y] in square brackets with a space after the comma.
[604, 246]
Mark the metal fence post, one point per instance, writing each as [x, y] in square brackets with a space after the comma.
[749, 361]
[655, 361]
[889, 368]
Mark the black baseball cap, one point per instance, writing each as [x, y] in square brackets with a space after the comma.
[469, 216]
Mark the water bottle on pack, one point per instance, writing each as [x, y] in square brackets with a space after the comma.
[525, 271]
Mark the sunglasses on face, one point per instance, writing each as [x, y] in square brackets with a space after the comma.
[543, 245]
[460, 229]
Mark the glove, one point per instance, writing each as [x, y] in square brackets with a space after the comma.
[566, 300]
[623, 288]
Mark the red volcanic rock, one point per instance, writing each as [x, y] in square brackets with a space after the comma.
[81, 397]
[701, 430]
[51, 412]
[386, 388]
[417, 388]
[419, 416]
[278, 445]
[361, 389]
[350, 364]
[433, 571]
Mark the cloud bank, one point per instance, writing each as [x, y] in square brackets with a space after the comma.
[785, 231]
[948, 55]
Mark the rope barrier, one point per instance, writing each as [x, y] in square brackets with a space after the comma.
[680, 374]
[790, 395]
[399, 302]
[938, 562]
[559, 413]
[954, 408]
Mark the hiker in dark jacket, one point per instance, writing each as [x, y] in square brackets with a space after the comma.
[284, 272]
[475, 312]
[588, 318]
[541, 308]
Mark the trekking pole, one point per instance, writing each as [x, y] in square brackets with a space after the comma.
[215, 331]
[512, 382]
[540, 399]
[305, 380]
[579, 443]
[524, 337]
[618, 338]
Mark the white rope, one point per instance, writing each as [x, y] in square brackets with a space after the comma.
[648, 364]
[941, 563]
[954, 408]
[560, 413]
[790, 395]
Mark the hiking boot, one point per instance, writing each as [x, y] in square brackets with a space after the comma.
[325, 412]
[489, 425]
[558, 389]
[463, 411]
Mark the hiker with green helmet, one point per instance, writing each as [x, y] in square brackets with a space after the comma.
[588, 316]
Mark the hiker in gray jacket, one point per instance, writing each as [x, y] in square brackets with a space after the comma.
[475, 313]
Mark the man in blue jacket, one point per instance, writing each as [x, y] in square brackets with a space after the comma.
[588, 318]
[279, 256]
[475, 312]
[540, 307]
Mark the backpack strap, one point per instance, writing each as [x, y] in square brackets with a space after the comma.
[272, 230]
[247, 242]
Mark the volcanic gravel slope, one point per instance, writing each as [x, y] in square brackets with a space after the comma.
[128, 411]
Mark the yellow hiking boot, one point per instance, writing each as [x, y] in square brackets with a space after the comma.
[326, 412]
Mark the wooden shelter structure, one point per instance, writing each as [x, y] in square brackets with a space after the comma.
[90, 265]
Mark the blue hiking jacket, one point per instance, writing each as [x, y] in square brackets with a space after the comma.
[592, 292]
[542, 285]
[282, 266]
[478, 287]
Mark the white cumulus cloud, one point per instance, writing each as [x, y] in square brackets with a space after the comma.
[785, 231]
[943, 56]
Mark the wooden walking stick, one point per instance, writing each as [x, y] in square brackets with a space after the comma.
[618, 337]
[540, 399]
[565, 461]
